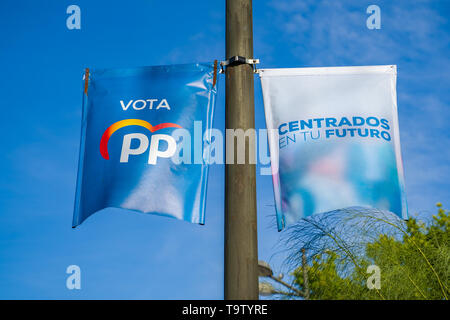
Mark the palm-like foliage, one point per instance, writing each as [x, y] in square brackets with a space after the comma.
[413, 256]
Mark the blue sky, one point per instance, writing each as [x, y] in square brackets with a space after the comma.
[125, 255]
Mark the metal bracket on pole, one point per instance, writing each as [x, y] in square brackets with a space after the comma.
[235, 60]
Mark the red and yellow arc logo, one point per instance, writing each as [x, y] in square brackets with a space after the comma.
[129, 122]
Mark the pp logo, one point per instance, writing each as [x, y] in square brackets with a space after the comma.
[154, 152]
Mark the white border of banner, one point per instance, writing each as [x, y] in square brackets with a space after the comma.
[284, 72]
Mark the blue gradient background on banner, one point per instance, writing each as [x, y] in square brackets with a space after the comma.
[363, 175]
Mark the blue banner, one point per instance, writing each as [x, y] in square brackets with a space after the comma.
[133, 124]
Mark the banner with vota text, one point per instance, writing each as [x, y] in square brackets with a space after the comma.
[133, 123]
[338, 140]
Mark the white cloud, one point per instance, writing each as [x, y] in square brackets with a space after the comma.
[333, 32]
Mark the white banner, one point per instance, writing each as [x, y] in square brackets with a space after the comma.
[338, 140]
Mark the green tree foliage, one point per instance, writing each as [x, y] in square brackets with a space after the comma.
[413, 256]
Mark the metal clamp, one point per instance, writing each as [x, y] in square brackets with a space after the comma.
[236, 60]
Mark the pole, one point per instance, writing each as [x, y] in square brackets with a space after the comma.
[241, 248]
